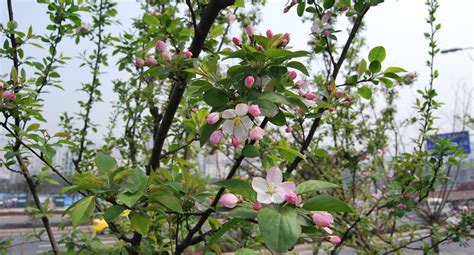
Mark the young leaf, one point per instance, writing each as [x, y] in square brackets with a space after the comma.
[239, 187]
[105, 163]
[377, 54]
[140, 223]
[82, 210]
[226, 227]
[280, 228]
[250, 151]
[326, 203]
[365, 92]
[215, 97]
[313, 185]
[113, 212]
[170, 202]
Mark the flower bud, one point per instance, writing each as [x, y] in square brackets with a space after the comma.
[150, 61]
[293, 2]
[257, 206]
[250, 30]
[236, 40]
[291, 198]
[344, 8]
[254, 110]
[284, 42]
[349, 97]
[334, 239]
[235, 142]
[292, 75]
[212, 118]
[269, 33]
[161, 46]
[216, 137]
[10, 95]
[339, 94]
[229, 200]
[310, 96]
[325, 33]
[331, 109]
[260, 47]
[166, 55]
[464, 209]
[286, 37]
[329, 87]
[256, 133]
[249, 81]
[288, 129]
[139, 62]
[346, 103]
[188, 54]
[322, 219]
[230, 17]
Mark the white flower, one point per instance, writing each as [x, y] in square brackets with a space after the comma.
[320, 25]
[273, 189]
[237, 123]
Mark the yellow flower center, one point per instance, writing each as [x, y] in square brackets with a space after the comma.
[271, 188]
[237, 121]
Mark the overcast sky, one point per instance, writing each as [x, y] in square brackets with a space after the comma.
[397, 25]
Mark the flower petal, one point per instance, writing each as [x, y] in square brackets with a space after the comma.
[242, 109]
[278, 198]
[228, 127]
[228, 114]
[328, 230]
[247, 122]
[264, 198]
[241, 133]
[287, 187]
[259, 185]
[275, 176]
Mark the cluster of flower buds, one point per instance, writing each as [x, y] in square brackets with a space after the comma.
[8, 94]
[165, 54]
[237, 124]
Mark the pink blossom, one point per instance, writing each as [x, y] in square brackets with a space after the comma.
[237, 122]
[325, 33]
[161, 46]
[249, 81]
[292, 75]
[272, 189]
[10, 95]
[139, 62]
[150, 61]
[236, 40]
[293, 2]
[188, 54]
[329, 87]
[269, 33]
[464, 209]
[288, 129]
[166, 55]
[229, 200]
[339, 94]
[292, 198]
[284, 42]
[310, 96]
[260, 47]
[257, 133]
[286, 37]
[334, 239]
[322, 219]
[230, 17]
[235, 142]
[212, 118]
[346, 103]
[331, 109]
[257, 206]
[250, 30]
[254, 110]
[216, 137]
[349, 97]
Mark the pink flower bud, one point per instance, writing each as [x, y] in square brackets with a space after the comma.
[464, 209]
[292, 75]
[236, 40]
[401, 206]
[284, 42]
[10, 95]
[286, 37]
[325, 33]
[150, 61]
[349, 97]
[339, 94]
[344, 8]
[188, 54]
[322, 219]
[139, 62]
[269, 33]
[235, 142]
[328, 14]
[288, 129]
[166, 55]
[293, 2]
[291, 198]
[161, 46]
[250, 30]
[329, 87]
[346, 103]
[229, 200]
[256, 133]
[260, 47]
[216, 137]
[331, 109]
[249, 81]
[257, 206]
[334, 239]
[212, 118]
[254, 110]
[310, 96]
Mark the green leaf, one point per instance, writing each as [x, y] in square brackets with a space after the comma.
[375, 66]
[33, 126]
[292, 152]
[377, 54]
[140, 223]
[239, 187]
[365, 92]
[250, 151]
[279, 119]
[226, 227]
[326, 203]
[215, 97]
[394, 69]
[170, 202]
[362, 67]
[298, 66]
[105, 163]
[328, 3]
[300, 8]
[151, 20]
[280, 228]
[274, 97]
[82, 210]
[245, 251]
[113, 212]
[267, 108]
[314, 185]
